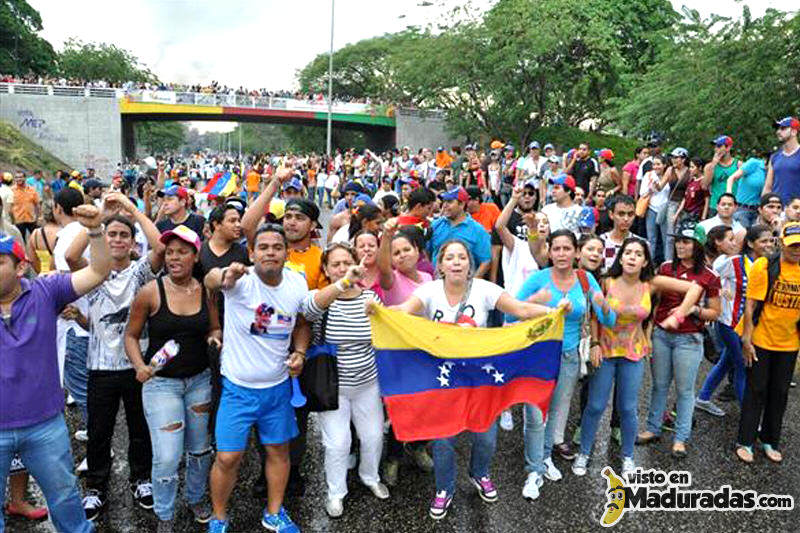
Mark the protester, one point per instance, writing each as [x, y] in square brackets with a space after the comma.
[31, 419]
[783, 172]
[25, 206]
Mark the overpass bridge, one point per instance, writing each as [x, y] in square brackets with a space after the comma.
[94, 127]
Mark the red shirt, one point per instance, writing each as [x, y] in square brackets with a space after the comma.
[670, 300]
[695, 197]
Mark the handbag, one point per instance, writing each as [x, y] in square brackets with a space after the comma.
[319, 380]
[585, 344]
[641, 205]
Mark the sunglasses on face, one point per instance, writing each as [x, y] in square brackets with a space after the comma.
[529, 193]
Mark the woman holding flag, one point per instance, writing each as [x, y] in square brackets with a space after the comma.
[458, 298]
[561, 281]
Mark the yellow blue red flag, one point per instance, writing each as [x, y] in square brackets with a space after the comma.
[438, 380]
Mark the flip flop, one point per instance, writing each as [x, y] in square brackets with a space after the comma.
[771, 453]
[641, 441]
[745, 454]
[36, 513]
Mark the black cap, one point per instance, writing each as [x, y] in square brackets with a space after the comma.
[474, 192]
[305, 206]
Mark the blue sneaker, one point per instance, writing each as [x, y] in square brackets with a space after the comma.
[279, 523]
[218, 526]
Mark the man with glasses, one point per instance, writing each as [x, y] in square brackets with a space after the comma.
[783, 172]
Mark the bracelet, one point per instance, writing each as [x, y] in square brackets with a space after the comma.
[345, 284]
[95, 232]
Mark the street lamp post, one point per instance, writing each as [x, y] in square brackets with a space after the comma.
[330, 84]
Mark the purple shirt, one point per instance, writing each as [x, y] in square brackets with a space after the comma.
[30, 387]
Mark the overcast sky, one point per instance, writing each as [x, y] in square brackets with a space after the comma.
[254, 43]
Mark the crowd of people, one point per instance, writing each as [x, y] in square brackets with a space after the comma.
[196, 311]
[214, 87]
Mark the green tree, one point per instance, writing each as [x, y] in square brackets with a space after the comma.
[101, 61]
[160, 137]
[21, 50]
[721, 76]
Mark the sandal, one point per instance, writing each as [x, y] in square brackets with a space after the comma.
[679, 453]
[643, 439]
[771, 453]
[744, 453]
[31, 513]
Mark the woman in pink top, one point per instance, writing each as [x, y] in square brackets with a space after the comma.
[628, 288]
[398, 256]
[631, 170]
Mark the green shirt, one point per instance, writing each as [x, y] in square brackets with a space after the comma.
[719, 183]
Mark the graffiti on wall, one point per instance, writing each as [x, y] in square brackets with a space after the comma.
[36, 127]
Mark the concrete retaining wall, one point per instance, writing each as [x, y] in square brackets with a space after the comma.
[83, 132]
[418, 130]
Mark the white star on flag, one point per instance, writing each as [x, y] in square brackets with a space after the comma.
[443, 381]
[488, 367]
[498, 377]
[444, 370]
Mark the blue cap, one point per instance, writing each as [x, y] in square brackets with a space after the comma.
[354, 187]
[362, 199]
[456, 193]
[722, 140]
[550, 146]
[586, 218]
[787, 122]
[509, 148]
[293, 183]
[533, 145]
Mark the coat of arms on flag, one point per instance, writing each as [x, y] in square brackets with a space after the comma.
[440, 379]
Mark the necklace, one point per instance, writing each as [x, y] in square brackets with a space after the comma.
[188, 288]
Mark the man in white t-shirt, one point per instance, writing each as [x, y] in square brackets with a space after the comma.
[385, 190]
[563, 213]
[726, 206]
[263, 318]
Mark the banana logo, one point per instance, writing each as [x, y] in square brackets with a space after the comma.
[615, 507]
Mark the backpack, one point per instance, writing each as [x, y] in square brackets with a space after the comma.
[773, 271]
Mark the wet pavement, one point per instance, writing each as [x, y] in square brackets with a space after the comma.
[573, 504]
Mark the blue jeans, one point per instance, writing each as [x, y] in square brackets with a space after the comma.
[444, 458]
[533, 437]
[558, 412]
[669, 242]
[44, 448]
[177, 413]
[675, 355]
[745, 217]
[627, 375]
[76, 375]
[730, 357]
[653, 229]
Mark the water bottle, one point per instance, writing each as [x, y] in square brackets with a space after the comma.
[165, 354]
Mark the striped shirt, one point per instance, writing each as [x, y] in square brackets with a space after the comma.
[349, 329]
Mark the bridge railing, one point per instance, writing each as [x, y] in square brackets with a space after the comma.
[200, 99]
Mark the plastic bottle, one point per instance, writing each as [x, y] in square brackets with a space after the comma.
[165, 354]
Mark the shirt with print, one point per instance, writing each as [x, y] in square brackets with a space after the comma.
[543, 279]
[563, 217]
[30, 388]
[109, 310]
[348, 328]
[670, 300]
[259, 320]
[483, 296]
[777, 327]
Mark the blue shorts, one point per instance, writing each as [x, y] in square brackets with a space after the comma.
[270, 410]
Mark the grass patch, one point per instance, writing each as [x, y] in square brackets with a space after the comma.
[17, 152]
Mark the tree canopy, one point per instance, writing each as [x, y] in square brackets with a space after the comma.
[21, 49]
[100, 61]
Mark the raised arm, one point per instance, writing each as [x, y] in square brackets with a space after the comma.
[385, 255]
[117, 200]
[224, 278]
[254, 213]
[89, 277]
[522, 310]
[323, 298]
[501, 226]
[732, 179]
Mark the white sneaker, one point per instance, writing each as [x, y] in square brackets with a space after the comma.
[506, 420]
[82, 435]
[70, 400]
[532, 484]
[551, 472]
[334, 507]
[379, 490]
[84, 466]
[352, 461]
[580, 464]
[628, 466]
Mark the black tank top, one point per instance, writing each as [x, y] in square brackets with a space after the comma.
[189, 331]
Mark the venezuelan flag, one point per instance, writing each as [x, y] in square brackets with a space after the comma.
[438, 380]
[221, 184]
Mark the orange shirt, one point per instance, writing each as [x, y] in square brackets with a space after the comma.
[24, 207]
[487, 215]
[443, 160]
[309, 263]
[253, 179]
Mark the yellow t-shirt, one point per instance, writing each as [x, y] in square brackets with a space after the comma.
[777, 327]
[309, 263]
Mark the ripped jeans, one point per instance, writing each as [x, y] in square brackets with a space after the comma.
[177, 412]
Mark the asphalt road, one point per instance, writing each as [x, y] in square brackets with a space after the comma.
[573, 504]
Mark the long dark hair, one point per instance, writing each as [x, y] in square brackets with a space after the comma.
[648, 270]
[363, 213]
[716, 234]
[583, 241]
[698, 256]
[753, 234]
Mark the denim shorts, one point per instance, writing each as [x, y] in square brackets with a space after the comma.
[240, 408]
